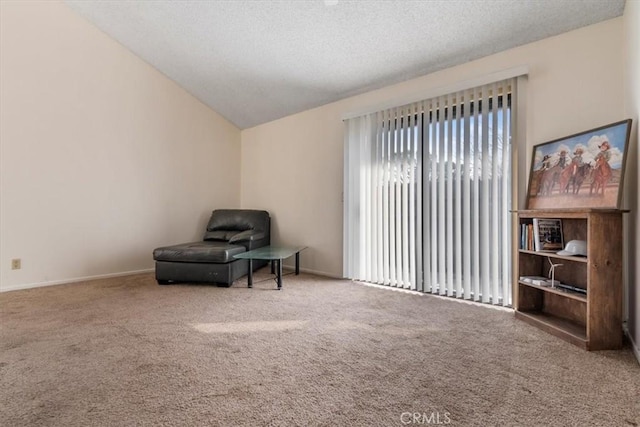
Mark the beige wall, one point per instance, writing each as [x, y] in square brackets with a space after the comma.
[632, 107]
[102, 157]
[293, 166]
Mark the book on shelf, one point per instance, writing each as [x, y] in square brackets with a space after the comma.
[526, 235]
[547, 235]
[573, 289]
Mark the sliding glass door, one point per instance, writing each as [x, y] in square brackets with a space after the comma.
[427, 195]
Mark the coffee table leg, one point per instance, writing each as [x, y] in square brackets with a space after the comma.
[279, 274]
[273, 270]
[297, 263]
[250, 276]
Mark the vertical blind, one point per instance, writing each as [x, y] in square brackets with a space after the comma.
[428, 193]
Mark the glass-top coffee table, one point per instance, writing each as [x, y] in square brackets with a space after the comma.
[275, 254]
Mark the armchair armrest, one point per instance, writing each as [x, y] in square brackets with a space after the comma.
[248, 235]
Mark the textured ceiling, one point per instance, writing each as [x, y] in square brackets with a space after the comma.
[256, 61]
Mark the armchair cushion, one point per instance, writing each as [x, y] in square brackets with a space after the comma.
[222, 235]
[238, 220]
[250, 235]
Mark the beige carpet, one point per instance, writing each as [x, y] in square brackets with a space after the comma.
[125, 351]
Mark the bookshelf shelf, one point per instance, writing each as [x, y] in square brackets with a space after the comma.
[567, 330]
[555, 256]
[591, 320]
[565, 293]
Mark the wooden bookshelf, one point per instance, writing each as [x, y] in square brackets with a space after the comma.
[591, 320]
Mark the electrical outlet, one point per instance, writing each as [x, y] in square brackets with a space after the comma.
[16, 264]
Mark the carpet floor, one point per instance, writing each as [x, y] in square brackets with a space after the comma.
[321, 352]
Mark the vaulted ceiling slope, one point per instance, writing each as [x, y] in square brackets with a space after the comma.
[257, 61]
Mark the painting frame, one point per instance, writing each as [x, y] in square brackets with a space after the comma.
[557, 180]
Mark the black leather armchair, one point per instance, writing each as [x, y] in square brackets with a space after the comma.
[229, 232]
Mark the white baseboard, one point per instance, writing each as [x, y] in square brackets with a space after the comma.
[315, 272]
[635, 348]
[128, 273]
[634, 345]
[73, 280]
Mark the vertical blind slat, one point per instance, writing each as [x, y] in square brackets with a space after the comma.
[458, 197]
[419, 234]
[385, 198]
[376, 207]
[405, 198]
[449, 144]
[365, 237]
[495, 205]
[434, 194]
[475, 141]
[426, 200]
[412, 197]
[506, 204]
[467, 196]
[486, 195]
[397, 241]
[442, 243]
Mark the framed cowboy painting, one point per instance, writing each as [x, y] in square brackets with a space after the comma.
[585, 170]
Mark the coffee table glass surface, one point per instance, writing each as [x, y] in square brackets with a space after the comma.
[271, 252]
[274, 253]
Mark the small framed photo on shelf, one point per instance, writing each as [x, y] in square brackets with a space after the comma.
[585, 170]
[547, 235]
